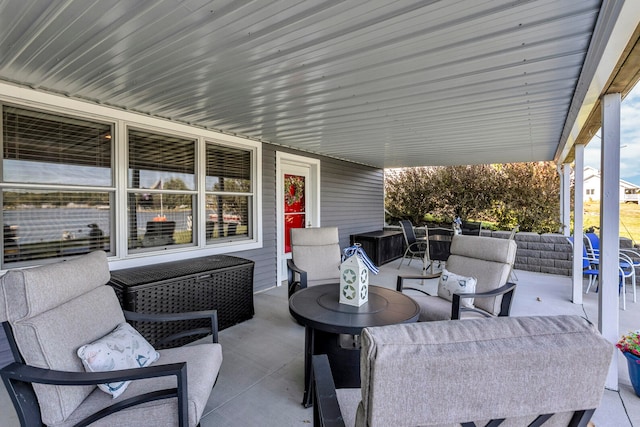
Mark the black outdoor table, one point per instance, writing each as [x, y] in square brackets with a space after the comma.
[334, 329]
[439, 247]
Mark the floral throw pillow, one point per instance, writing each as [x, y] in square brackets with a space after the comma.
[123, 348]
[451, 283]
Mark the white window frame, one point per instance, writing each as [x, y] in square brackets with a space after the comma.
[28, 98]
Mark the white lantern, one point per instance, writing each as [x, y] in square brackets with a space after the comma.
[354, 282]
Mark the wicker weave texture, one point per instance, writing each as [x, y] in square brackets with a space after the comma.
[223, 283]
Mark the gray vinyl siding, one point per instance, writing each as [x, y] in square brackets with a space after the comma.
[352, 198]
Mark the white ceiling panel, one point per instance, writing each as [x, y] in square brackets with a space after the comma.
[389, 84]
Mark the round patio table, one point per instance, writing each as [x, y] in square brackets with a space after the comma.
[334, 329]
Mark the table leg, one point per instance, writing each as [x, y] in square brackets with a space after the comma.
[309, 339]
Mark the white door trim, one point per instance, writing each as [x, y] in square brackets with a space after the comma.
[313, 216]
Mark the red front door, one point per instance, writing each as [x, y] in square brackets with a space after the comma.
[294, 206]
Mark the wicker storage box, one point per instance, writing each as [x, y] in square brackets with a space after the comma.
[217, 282]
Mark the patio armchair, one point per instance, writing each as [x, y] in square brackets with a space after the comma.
[315, 258]
[77, 361]
[415, 247]
[465, 373]
[627, 263]
[488, 260]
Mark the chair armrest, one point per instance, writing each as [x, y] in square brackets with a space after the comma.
[296, 277]
[505, 307]
[26, 373]
[420, 245]
[15, 375]
[326, 410]
[172, 317]
[632, 254]
[400, 281]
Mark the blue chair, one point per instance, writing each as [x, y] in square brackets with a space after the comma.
[589, 266]
[592, 242]
[626, 269]
[629, 259]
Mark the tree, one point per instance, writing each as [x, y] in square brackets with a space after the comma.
[409, 193]
[463, 191]
[524, 194]
[172, 201]
[529, 197]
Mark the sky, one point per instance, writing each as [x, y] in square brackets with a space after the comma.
[629, 140]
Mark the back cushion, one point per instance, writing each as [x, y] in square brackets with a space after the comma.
[51, 339]
[54, 309]
[320, 262]
[489, 275]
[31, 291]
[317, 251]
[449, 372]
[488, 259]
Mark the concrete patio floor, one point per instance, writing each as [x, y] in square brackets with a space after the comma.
[260, 383]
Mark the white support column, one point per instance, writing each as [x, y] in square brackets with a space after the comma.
[610, 227]
[578, 224]
[565, 199]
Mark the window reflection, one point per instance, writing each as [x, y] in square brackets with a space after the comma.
[49, 224]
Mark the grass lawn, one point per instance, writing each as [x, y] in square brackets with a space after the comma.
[629, 219]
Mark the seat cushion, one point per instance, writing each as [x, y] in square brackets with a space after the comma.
[436, 308]
[203, 365]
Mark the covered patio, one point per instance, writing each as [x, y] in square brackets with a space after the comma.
[353, 88]
[261, 381]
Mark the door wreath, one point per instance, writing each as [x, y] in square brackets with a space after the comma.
[294, 189]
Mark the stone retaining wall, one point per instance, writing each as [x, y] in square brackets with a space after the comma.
[543, 253]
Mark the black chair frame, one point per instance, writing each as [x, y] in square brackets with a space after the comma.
[414, 246]
[18, 376]
[296, 278]
[457, 309]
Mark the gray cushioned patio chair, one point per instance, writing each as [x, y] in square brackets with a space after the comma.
[489, 260]
[315, 257]
[48, 312]
[519, 369]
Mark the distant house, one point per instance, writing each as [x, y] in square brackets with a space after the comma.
[629, 193]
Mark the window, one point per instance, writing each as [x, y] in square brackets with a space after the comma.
[67, 179]
[57, 193]
[228, 193]
[161, 184]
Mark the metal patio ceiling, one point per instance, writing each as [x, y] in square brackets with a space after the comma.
[389, 84]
